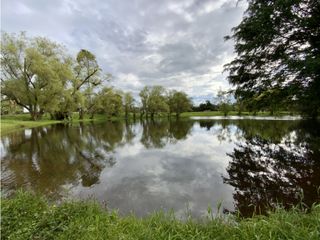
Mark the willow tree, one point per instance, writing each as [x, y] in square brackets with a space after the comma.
[278, 54]
[128, 104]
[87, 77]
[179, 102]
[111, 101]
[154, 100]
[144, 97]
[34, 72]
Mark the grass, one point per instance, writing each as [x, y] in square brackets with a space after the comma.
[8, 126]
[27, 216]
[12, 123]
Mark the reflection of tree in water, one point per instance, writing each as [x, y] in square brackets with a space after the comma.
[272, 130]
[224, 132]
[228, 130]
[223, 128]
[264, 173]
[57, 155]
[45, 159]
[156, 134]
[208, 124]
[179, 130]
[129, 133]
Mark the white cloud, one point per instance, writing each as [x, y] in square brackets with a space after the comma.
[177, 44]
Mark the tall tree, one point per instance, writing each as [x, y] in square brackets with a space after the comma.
[157, 101]
[153, 100]
[87, 78]
[224, 102]
[278, 48]
[34, 72]
[144, 96]
[128, 103]
[111, 101]
[179, 102]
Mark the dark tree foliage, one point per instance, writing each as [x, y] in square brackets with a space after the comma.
[278, 48]
[207, 106]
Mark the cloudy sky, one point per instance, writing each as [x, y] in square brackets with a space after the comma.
[177, 44]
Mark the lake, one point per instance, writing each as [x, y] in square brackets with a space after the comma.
[186, 166]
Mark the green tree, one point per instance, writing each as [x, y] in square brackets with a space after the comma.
[153, 100]
[87, 78]
[278, 50]
[96, 104]
[144, 97]
[10, 107]
[111, 101]
[34, 72]
[224, 102]
[178, 102]
[157, 101]
[240, 105]
[128, 104]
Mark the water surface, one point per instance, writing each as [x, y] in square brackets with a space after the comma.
[185, 166]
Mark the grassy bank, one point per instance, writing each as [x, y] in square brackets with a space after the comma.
[11, 123]
[30, 217]
[8, 126]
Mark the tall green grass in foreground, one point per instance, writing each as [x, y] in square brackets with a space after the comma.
[30, 217]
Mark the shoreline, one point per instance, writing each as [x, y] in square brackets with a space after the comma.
[12, 123]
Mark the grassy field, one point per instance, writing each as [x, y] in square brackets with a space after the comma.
[30, 217]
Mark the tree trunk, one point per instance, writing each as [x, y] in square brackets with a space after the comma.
[141, 115]
[81, 113]
[35, 115]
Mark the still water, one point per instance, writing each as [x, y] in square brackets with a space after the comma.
[185, 166]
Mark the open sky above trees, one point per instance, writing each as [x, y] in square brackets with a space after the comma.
[175, 44]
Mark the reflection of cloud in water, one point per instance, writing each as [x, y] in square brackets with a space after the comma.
[164, 165]
[187, 173]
